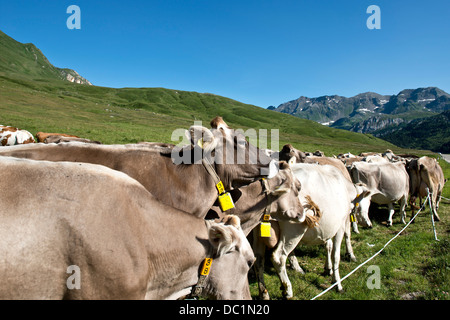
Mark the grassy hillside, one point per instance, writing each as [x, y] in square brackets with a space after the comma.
[432, 132]
[130, 115]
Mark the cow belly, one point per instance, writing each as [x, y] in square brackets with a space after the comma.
[381, 198]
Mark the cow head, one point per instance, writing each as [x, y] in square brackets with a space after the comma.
[412, 167]
[288, 151]
[237, 162]
[233, 258]
[283, 191]
[361, 204]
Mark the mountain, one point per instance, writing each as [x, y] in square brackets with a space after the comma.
[25, 59]
[370, 112]
[431, 133]
[328, 109]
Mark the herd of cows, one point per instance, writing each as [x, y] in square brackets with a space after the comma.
[138, 226]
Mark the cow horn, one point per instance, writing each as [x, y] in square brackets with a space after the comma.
[202, 137]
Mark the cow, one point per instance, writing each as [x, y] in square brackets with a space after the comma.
[184, 185]
[10, 136]
[324, 190]
[277, 196]
[424, 173]
[288, 151]
[376, 159]
[41, 136]
[61, 139]
[387, 182]
[85, 231]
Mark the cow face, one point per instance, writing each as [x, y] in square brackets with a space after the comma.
[233, 258]
[289, 151]
[412, 167]
[283, 195]
[361, 206]
[237, 162]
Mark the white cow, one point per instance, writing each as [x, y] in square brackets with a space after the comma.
[335, 197]
[387, 183]
[10, 136]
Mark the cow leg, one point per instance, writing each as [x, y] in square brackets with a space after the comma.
[433, 207]
[355, 227]
[391, 213]
[259, 249]
[294, 263]
[403, 208]
[348, 244]
[412, 204]
[328, 262]
[336, 256]
[290, 236]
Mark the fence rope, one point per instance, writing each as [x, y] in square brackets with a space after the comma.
[379, 251]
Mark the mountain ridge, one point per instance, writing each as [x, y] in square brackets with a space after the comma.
[27, 59]
[373, 113]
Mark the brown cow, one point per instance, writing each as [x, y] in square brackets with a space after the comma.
[424, 173]
[279, 195]
[186, 186]
[96, 233]
[41, 136]
[61, 139]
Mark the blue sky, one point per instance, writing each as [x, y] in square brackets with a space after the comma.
[258, 52]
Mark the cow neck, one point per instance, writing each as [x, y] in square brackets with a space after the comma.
[205, 268]
[211, 170]
[269, 198]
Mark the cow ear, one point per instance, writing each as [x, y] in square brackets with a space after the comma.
[292, 161]
[232, 220]
[363, 192]
[274, 168]
[279, 191]
[221, 238]
[201, 137]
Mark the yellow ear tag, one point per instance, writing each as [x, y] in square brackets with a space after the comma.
[206, 267]
[352, 218]
[220, 187]
[226, 201]
[357, 204]
[266, 217]
[200, 143]
[265, 229]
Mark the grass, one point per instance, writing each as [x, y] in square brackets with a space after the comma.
[413, 266]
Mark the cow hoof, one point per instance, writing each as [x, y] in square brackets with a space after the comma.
[299, 270]
[288, 296]
[327, 272]
[350, 257]
[264, 296]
